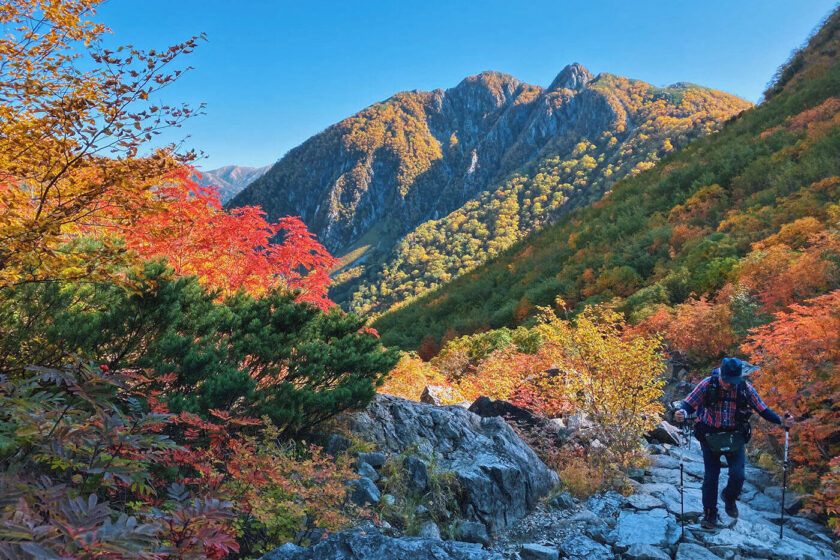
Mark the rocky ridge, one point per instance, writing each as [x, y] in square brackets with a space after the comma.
[490, 159]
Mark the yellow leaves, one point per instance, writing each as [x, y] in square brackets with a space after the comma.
[612, 376]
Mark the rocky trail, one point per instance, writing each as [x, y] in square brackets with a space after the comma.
[508, 512]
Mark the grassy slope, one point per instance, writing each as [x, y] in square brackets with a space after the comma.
[746, 183]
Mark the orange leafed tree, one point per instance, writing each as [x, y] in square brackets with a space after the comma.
[230, 250]
[800, 355]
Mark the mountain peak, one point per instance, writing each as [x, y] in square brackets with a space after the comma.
[574, 76]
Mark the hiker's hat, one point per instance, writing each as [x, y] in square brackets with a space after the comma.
[731, 371]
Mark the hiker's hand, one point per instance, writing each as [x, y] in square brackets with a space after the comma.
[788, 420]
[679, 416]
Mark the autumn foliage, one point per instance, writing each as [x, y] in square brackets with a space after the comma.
[229, 250]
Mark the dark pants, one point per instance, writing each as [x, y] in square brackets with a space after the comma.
[737, 462]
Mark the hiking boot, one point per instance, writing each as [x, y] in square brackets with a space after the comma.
[730, 506]
[710, 520]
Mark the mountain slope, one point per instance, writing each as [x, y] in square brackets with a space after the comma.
[230, 179]
[683, 227]
[422, 187]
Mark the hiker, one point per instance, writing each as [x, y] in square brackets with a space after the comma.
[724, 403]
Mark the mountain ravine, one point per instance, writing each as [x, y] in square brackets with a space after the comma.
[421, 187]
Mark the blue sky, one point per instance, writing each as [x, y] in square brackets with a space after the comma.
[273, 73]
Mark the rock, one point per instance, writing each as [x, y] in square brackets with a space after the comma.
[374, 459]
[501, 478]
[577, 422]
[372, 545]
[538, 552]
[429, 530]
[584, 548]
[587, 517]
[337, 444]
[606, 505]
[472, 532]
[793, 501]
[364, 492]
[688, 551]
[439, 395]
[645, 527]
[418, 474]
[488, 408]
[644, 501]
[562, 501]
[645, 552]
[665, 433]
[637, 474]
[367, 471]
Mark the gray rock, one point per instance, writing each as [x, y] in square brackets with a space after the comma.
[646, 552]
[645, 527]
[429, 530]
[665, 433]
[688, 551]
[763, 502]
[584, 548]
[637, 474]
[364, 492]
[587, 517]
[367, 471]
[644, 501]
[418, 474]
[337, 444]
[562, 501]
[501, 478]
[606, 505]
[472, 532]
[580, 421]
[372, 545]
[538, 552]
[374, 459]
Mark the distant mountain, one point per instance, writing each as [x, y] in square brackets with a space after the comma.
[231, 179]
[752, 209]
[420, 188]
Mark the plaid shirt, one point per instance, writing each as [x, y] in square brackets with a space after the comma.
[722, 413]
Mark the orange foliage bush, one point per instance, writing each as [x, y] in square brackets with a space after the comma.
[800, 352]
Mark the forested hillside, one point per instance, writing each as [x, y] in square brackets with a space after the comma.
[761, 193]
[416, 190]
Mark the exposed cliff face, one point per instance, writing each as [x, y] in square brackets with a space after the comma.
[421, 156]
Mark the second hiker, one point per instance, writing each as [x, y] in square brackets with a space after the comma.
[724, 403]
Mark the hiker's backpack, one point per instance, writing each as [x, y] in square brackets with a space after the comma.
[743, 410]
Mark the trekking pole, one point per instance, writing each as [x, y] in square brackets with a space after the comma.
[686, 441]
[784, 483]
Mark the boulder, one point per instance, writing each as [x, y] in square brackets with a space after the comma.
[580, 421]
[418, 474]
[644, 501]
[665, 433]
[582, 547]
[645, 527]
[364, 492]
[562, 501]
[429, 530]
[538, 552]
[488, 408]
[501, 478]
[374, 459]
[367, 471]
[439, 395]
[646, 552]
[372, 545]
[472, 532]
